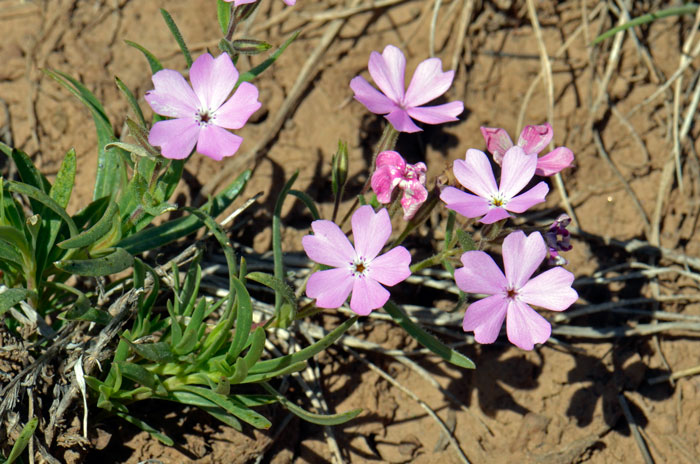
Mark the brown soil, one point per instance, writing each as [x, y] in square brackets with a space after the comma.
[558, 404]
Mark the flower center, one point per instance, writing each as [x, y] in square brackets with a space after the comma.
[497, 201]
[511, 293]
[204, 117]
[359, 267]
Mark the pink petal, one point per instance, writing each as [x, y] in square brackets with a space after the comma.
[235, 112]
[497, 142]
[466, 204]
[241, 2]
[554, 161]
[217, 143]
[485, 318]
[330, 288]
[522, 255]
[525, 327]
[213, 79]
[391, 268]
[526, 200]
[374, 100]
[371, 231]
[387, 70]
[175, 137]
[401, 121]
[290, 2]
[428, 82]
[533, 139]
[480, 274]
[518, 170]
[414, 195]
[367, 295]
[328, 245]
[475, 174]
[383, 182]
[172, 97]
[437, 114]
[391, 158]
[495, 214]
[551, 290]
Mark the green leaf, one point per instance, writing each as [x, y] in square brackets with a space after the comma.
[465, 240]
[96, 232]
[11, 297]
[256, 347]
[320, 419]
[22, 440]
[296, 367]
[175, 328]
[157, 352]
[283, 320]
[28, 172]
[115, 261]
[308, 202]
[256, 71]
[178, 36]
[240, 372]
[190, 336]
[65, 179]
[250, 46]
[223, 15]
[140, 375]
[83, 311]
[274, 283]
[240, 411]
[425, 339]
[150, 57]
[15, 241]
[10, 255]
[44, 199]
[244, 320]
[220, 413]
[131, 99]
[146, 428]
[690, 8]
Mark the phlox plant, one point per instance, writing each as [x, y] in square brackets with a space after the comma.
[182, 346]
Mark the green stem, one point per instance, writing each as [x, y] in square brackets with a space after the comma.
[435, 259]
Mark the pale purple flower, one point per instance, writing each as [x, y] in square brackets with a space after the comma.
[393, 171]
[557, 238]
[399, 106]
[511, 295]
[490, 201]
[358, 270]
[243, 2]
[201, 115]
[533, 139]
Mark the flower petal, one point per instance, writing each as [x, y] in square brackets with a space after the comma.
[522, 255]
[387, 70]
[235, 112]
[525, 327]
[391, 158]
[480, 274]
[213, 79]
[401, 121]
[328, 245]
[551, 290]
[217, 143]
[428, 82]
[475, 174]
[464, 203]
[526, 200]
[175, 137]
[518, 170]
[554, 161]
[439, 114]
[370, 230]
[485, 318]
[367, 295]
[414, 195]
[373, 99]
[383, 182]
[391, 268]
[497, 142]
[494, 215]
[172, 96]
[330, 288]
[533, 139]
[290, 2]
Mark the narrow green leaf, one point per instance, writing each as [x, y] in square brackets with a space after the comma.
[175, 328]
[243, 413]
[425, 339]
[256, 71]
[319, 419]
[94, 233]
[115, 261]
[131, 99]
[240, 372]
[689, 8]
[206, 405]
[255, 378]
[254, 399]
[44, 199]
[140, 375]
[308, 202]
[244, 320]
[146, 428]
[10, 255]
[11, 297]
[178, 36]
[28, 172]
[223, 15]
[83, 311]
[465, 240]
[157, 352]
[22, 440]
[150, 57]
[278, 260]
[65, 179]
[257, 345]
[275, 284]
[16, 241]
[190, 336]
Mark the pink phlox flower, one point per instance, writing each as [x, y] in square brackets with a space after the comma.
[511, 295]
[243, 2]
[533, 139]
[399, 106]
[201, 113]
[357, 269]
[393, 171]
[490, 201]
[558, 239]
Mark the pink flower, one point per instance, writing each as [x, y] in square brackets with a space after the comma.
[533, 139]
[201, 115]
[557, 238]
[392, 171]
[491, 202]
[358, 270]
[243, 2]
[512, 294]
[428, 83]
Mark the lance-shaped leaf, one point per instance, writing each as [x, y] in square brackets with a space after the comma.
[256, 71]
[11, 297]
[239, 410]
[116, 260]
[22, 440]
[157, 352]
[96, 232]
[45, 200]
[210, 407]
[146, 428]
[320, 419]
[178, 36]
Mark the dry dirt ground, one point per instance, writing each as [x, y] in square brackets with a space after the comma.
[593, 392]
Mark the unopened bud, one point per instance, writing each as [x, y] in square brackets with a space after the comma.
[340, 167]
[250, 46]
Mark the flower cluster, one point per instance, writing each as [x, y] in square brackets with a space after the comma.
[392, 172]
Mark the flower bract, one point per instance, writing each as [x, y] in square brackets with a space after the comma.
[512, 293]
[393, 171]
[356, 269]
[491, 201]
[401, 106]
[201, 113]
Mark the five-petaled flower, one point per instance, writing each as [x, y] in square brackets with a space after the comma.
[490, 201]
[512, 294]
[399, 106]
[392, 171]
[533, 139]
[358, 270]
[201, 115]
